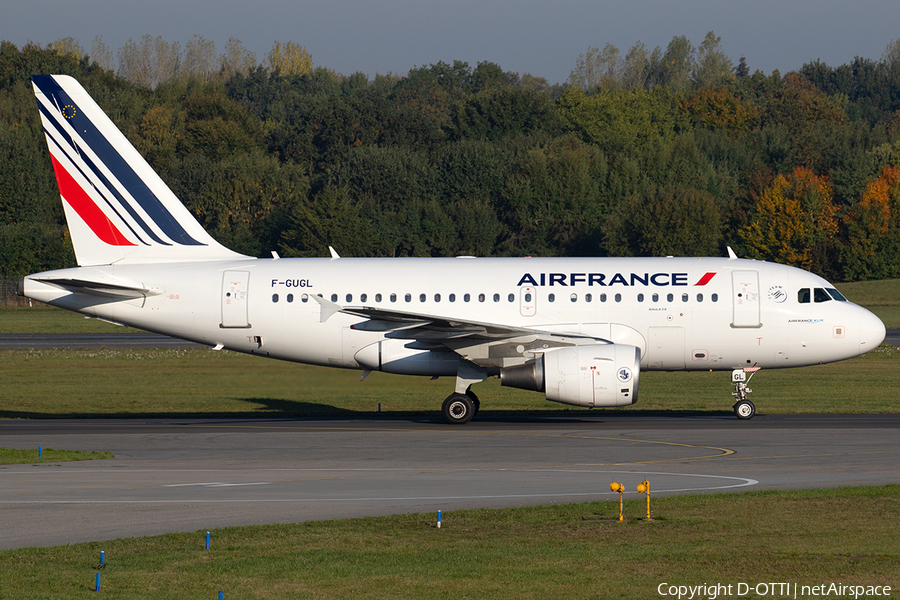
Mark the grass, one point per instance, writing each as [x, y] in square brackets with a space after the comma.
[880, 297]
[571, 551]
[48, 319]
[14, 456]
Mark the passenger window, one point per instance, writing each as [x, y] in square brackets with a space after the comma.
[466, 297]
[481, 297]
[803, 296]
[290, 297]
[699, 297]
[334, 297]
[496, 297]
[363, 297]
[714, 297]
[574, 297]
[377, 297]
[618, 297]
[684, 297]
[602, 297]
[393, 297]
[821, 295]
[588, 297]
[656, 297]
[640, 297]
[551, 298]
[527, 297]
[304, 298]
[274, 297]
[512, 297]
[437, 297]
[421, 297]
[670, 297]
[349, 297]
[452, 297]
[407, 297]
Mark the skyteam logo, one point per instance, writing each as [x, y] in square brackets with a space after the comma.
[607, 280]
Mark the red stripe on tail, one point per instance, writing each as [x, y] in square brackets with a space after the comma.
[99, 223]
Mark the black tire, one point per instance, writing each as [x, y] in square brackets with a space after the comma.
[475, 401]
[744, 409]
[458, 409]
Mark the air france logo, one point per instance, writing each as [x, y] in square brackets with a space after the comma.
[605, 280]
[624, 374]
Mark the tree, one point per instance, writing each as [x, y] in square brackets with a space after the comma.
[289, 59]
[597, 69]
[620, 120]
[873, 230]
[102, 56]
[200, 58]
[669, 220]
[236, 59]
[713, 67]
[672, 68]
[794, 221]
[68, 45]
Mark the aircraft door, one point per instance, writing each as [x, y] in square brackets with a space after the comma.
[745, 286]
[528, 301]
[235, 286]
[666, 348]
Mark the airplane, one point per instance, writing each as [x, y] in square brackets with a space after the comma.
[580, 330]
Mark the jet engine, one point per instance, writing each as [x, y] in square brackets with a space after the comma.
[596, 375]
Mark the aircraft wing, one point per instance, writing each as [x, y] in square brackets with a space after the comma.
[485, 344]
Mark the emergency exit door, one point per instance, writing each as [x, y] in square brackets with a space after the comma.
[235, 287]
[745, 285]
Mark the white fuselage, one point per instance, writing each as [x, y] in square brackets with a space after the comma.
[682, 313]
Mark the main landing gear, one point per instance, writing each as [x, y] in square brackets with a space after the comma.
[458, 409]
[743, 408]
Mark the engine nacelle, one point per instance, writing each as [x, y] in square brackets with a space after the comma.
[597, 375]
[393, 356]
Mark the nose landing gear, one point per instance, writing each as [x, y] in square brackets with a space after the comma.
[743, 408]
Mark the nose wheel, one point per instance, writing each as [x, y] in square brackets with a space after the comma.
[743, 408]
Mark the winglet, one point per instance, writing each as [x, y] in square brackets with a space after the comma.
[334, 253]
[328, 307]
[731, 254]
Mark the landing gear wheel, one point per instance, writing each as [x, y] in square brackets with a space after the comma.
[475, 401]
[458, 409]
[744, 409]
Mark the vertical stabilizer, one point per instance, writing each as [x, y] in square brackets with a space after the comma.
[117, 207]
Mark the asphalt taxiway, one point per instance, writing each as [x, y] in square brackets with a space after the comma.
[187, 475]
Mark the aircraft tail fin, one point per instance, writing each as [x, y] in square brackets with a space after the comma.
[117, 207]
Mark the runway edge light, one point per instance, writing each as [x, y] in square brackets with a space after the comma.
[644, 488]
[618, 487]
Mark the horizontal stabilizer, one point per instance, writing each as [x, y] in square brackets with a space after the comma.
[119, 289]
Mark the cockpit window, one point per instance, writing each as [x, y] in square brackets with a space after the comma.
[803, 296]
[836, 294]
[821, 295]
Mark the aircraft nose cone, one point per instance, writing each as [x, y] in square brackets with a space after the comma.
[871, 332]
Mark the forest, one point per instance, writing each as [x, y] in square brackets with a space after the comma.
[674, 151]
